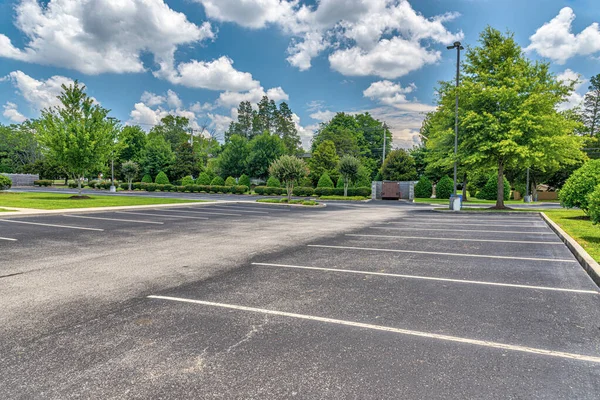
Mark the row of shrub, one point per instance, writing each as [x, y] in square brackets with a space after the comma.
[5, 182]
[308, 191]
[153, 187]
[43, 182]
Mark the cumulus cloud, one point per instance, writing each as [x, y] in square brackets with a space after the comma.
[393, 94]
[248, 13]
[323, 116]
[39, 94]
[97, 36]
[152, 99]
[233, 99]
[555, 39]
[575, 99]
[12, 113]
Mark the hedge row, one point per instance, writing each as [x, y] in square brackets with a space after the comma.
[153, 187]
[308, 191]
[43, 182]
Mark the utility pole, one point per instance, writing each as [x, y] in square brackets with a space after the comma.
[527, 190]
[384, 141]
[458, 48]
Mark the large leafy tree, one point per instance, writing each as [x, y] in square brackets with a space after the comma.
[324, 159]
[19, 149]
[158, 156]
[186, 162]
[233, 160]
[343, 131]
[508, 115]
[286, 129]
[591, 107]
[349, 168]
[132, 141]
[174, 129]
[399, 166]
[263, 150]
[78, 134]
[289, 170]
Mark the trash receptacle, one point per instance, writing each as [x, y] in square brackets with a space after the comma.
[455, 202]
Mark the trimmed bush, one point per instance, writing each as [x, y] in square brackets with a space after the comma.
[325, 181]
[72, 184]
[273, 182]
[161, 179]
[181, 189]
[325, 191]
[260, 190]
[340, 183]
[580, 184]
[168, 187]
[160, 188]
[41, 182]
[303, 191]
[147, 178]
[92, 184]
[124, 186]
[423, 188]
[444, 188]
[305, 182]
[593, 200]
[360, 191]
[240, 189]
[186, 181]
[151, 187]
[203, 179]
[230, 181]
[5, 182]
[217, 181]
[136, 185]
[244, 180]
[490, 190]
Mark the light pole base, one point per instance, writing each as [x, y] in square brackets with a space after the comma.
[113, 189]
[456, 202]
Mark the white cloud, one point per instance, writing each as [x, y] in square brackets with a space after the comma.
[152, 99]
[233, 99]
[97, 36]
[12, 113]
[173, 99]
[218, 74]
[248, 13]
[556, 41]
[388, 59]
[323, 116]
[405, 126]
[302, 52]
[575, 99]
[306, 133]
[219, 122]
[393, 94]
[39, 94]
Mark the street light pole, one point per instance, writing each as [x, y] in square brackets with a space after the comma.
[458, 48]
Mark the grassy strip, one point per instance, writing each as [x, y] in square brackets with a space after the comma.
[351, 198]
[580, 228]
[285, 201]
[472, 200]
[57, 201]
[5, 210]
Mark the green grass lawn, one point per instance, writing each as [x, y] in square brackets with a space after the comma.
[472, 200]
[5, 210]
[56, 201]
[580, 228]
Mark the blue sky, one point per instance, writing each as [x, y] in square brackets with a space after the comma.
[199, 58]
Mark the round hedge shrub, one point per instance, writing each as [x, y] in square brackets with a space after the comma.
[444, 188]
[72, 184]
[151, 187]
[244, 180]
[303, 191]
[5, 182]
[230, 181]
[490, 190]
[325, 181]
[340, 183]
[161, 179]
[203, 179]
[217, 181]
[273, 182]
[423, 188]
[186, 181]
[580, 184]
[593, 200]
[147, 178]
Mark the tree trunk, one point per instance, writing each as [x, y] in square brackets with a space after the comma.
[129, 183]
[500, 198]
[465, 187]
[79, 185]
[290, 190]
[66, 180]
[345, 188]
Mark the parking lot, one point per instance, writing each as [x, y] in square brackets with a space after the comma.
[405, 303]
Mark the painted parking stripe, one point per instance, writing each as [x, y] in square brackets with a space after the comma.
[9, 239]
[442, 254]
[437, 336]
[457, 239]
[201, 212]
[52, 225]
[159, 215]
[541, 224]
[244, 210]
[525, 219]
[114, 219]
[429, 278]
[461, 231]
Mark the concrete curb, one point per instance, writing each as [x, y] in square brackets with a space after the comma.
[488, 212]
[320, 205]
[586, 261]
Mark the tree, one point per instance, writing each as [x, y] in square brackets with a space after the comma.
[244, 180]
[348, 168]
[444, 188]
[399, 166]
[262, 151]
[233, 160]
[158, 156]
[78, 134]
[161, 179]
[174, 129]
[286, 129]
[591, 107]
[132, 141]
[508, 114]
[273, 182]
[288, 169]
[423, 188]
[577, 188]
[243, 127]
[343, 131]
[325, 181]
[130, 169]
[230, 181]
[324, 159]
[203, 179]
[186, 161]
[490, 189]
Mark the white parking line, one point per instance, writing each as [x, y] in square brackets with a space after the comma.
[462, 231]
[428, 278]
[114, 219]
[9, 239]
[244, 210]
[541, 224]
[457, 239]
[159, 215]
[448, 338]
[436, 218]
[202, 212]
[52, 225]
[442, 254]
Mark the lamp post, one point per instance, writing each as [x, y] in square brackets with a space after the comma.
[458, 48]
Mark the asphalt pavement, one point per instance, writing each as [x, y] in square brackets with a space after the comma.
[352, 301]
